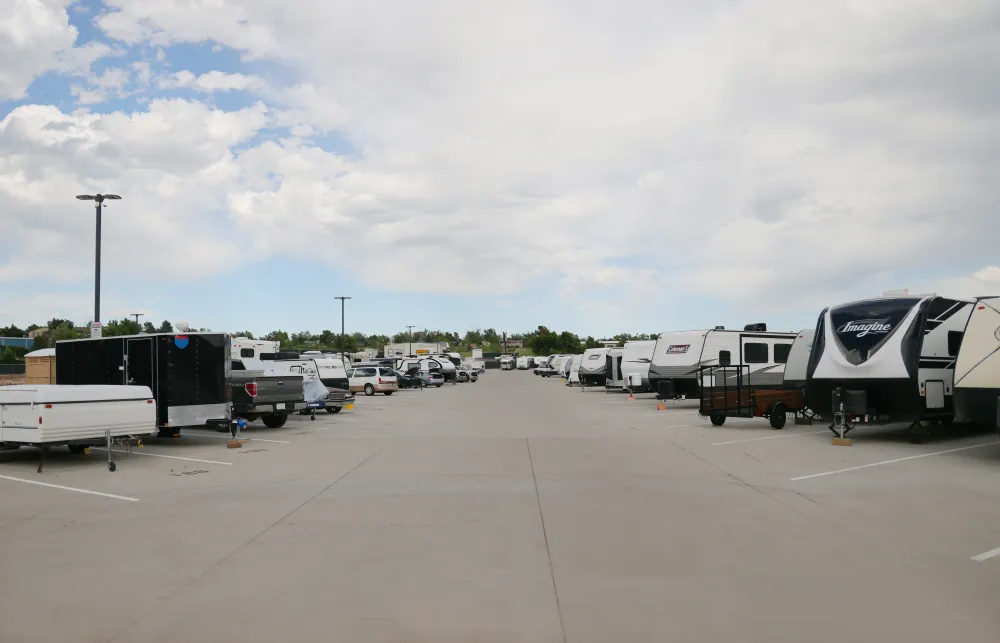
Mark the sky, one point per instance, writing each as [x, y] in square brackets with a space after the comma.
[597, 166]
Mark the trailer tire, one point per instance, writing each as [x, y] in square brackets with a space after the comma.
[275, 421]
[369, 390]
[333, 409]
[112, 466]
[717, 420]
[778, 416]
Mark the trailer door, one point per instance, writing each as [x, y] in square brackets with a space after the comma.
[139, 367]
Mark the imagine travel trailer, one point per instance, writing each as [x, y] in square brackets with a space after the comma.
[592, 366]
[977, 370]
[896, 355]
[677, 357]
[635, 364]
[798, 360]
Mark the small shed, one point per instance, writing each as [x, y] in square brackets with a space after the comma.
[40, 367]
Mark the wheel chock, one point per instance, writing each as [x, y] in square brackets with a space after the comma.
[86, 451]
[236, 444]
[661, 407]
[842, 442]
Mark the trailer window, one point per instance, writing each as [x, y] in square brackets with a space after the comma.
[755, 353]
[954, 342]
[237, 366]
[781, 352]
[246, 352]
[725, 358]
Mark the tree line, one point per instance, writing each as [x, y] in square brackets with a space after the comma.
[541, 341]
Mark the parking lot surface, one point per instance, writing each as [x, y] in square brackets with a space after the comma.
[511, 509]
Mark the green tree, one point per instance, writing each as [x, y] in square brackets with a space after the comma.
[277, 336]
[569, 343]
[166, 327]
[590, 342]
[56, 322]
[148, 327]
[63, 330]
[7, 356]
[11, 331]
[377, 341]
[116, 328]
[243, 333]
[542, 341]
[31, 328]
[327, 338]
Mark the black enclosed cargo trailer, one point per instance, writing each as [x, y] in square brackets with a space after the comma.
[187, 372]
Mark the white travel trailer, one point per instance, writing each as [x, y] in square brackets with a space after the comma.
[678, 356]
[523, 363]
[613, 368]
[574, 371]
[538, 360]
[244, 348]
[977, 370]
[567, 366]
[592, 366]
[894, 355]
[558, 362]
[635, 364]
[506, 363]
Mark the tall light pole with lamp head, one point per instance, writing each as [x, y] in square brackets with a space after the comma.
[342, 342]
[137, 316]
[98, 200]
[409, 330]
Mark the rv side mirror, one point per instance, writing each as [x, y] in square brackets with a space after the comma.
[724, 358]
[954, 342]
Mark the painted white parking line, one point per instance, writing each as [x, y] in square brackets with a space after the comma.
[986, 555]
[768, 437]
[188, 434]
[58, 486]
[893, 461]
[160, 455]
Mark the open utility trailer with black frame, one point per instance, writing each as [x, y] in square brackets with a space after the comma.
[726, 391]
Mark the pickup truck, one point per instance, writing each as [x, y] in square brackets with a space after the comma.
[268, 397]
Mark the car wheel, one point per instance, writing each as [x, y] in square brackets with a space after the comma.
[369, 390]
[387, 393]
[333, 409]
[438, 385]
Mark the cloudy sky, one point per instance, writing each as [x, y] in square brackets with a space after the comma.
[601, 166]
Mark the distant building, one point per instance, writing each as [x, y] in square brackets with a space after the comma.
[415, 348]
[17, 342]
[513, 343]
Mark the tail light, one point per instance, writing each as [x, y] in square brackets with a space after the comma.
[229, 391]
[251, 389]
[380, 380]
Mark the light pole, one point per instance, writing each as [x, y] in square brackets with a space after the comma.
[342, 342]
[409, 330]
[98, 200]
[137, 316]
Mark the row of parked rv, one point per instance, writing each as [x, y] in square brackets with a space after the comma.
[158, 383]
[899, 358]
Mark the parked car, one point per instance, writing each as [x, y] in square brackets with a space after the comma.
[409, 379]
[373, 379]
[432, 378]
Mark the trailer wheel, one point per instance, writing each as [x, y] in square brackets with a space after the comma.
[275, 421]
[112, 466]
[778, 416]
[717, 420]
[369, 390]
[333, 409]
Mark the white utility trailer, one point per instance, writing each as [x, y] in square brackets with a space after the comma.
[76, 416]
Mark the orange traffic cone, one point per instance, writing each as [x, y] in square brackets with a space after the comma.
[630, 396]
[661, 407]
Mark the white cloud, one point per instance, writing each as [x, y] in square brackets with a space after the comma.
[776, 153]
[110, 83]
[985, 281]
[172, 164]
[33, 34]
[212, 81]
